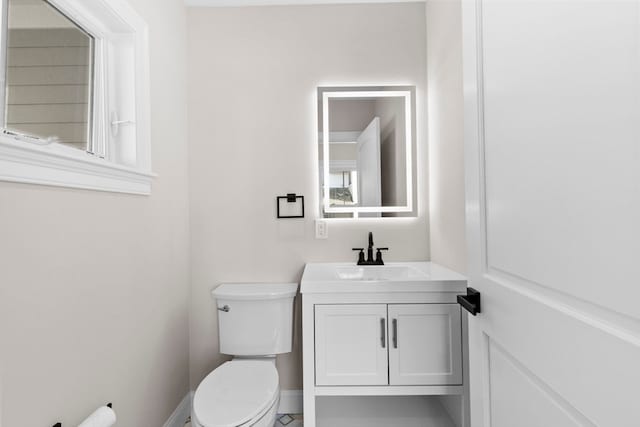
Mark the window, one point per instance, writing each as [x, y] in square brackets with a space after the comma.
[343, 186]
[49, 73]
[76, 95]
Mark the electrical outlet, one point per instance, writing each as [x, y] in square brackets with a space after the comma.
[322, 229]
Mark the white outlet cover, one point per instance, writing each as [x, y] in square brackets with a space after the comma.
[322, 229]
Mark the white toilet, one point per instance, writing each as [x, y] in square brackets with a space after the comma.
[255, 322]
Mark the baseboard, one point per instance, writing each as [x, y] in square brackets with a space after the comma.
[290, 402]
[181, 413]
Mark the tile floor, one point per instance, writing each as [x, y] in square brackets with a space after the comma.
[288, 420]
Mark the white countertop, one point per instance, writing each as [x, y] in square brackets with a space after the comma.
[392, 277]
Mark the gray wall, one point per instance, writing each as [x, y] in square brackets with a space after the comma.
[253, 75]
[393, 150]
[446, 156]
[94, 287]
[349, 115]
[446, 125]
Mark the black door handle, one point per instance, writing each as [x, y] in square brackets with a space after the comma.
[470, 301]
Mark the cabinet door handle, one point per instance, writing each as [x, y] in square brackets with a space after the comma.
[394, 324]
[383, 340]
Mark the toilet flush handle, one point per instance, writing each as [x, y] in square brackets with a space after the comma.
[225, 309]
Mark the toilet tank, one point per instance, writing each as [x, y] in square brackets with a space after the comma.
[255, 319]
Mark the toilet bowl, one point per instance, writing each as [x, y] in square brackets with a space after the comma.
[242, 392]
[255, 322]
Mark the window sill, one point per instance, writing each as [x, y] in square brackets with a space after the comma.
[61, 166]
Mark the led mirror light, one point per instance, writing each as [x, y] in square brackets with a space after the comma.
[366, 192]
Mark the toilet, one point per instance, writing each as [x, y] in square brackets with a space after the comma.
[255, 323]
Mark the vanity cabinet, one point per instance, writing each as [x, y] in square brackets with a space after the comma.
[351, 344]
[378, 338]
[388, 344]
[426, 344]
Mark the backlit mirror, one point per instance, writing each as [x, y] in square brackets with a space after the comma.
[366, 139]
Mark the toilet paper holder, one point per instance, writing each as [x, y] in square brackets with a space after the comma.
[109, 405]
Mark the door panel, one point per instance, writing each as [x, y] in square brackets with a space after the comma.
[524, 397]
[427, 347]
[562, 151]
[351, 344]
[369, 183]
[552, 147]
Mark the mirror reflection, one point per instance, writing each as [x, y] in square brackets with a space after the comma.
[365, 147]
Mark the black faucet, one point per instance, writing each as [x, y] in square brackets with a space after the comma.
[370, 249]
[370, 260]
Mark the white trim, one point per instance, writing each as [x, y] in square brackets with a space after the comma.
[122, 74]
[343, 165]
[342, 137]
[181, 413]
[62, 166]
[242, 3]
[390, 390]
[290, 402]
[121, 86]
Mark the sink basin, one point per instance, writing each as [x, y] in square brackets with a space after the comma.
[379, 272]
[391, 277]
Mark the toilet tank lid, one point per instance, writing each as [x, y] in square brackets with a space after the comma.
[255, 291]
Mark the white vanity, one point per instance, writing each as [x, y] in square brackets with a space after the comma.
[374, 333]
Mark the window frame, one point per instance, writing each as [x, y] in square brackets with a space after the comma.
[120, 160]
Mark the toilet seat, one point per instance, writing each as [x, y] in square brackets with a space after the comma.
[236, 393]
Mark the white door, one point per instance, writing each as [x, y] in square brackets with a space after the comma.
[552, 141]
[369, 179]
[425, 344]
[351, 344]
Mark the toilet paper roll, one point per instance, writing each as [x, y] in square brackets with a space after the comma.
[102, 417]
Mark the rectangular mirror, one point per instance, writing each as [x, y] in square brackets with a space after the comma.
[366, 140]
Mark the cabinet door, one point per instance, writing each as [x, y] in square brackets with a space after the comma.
[426, 344]
[351, 344]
